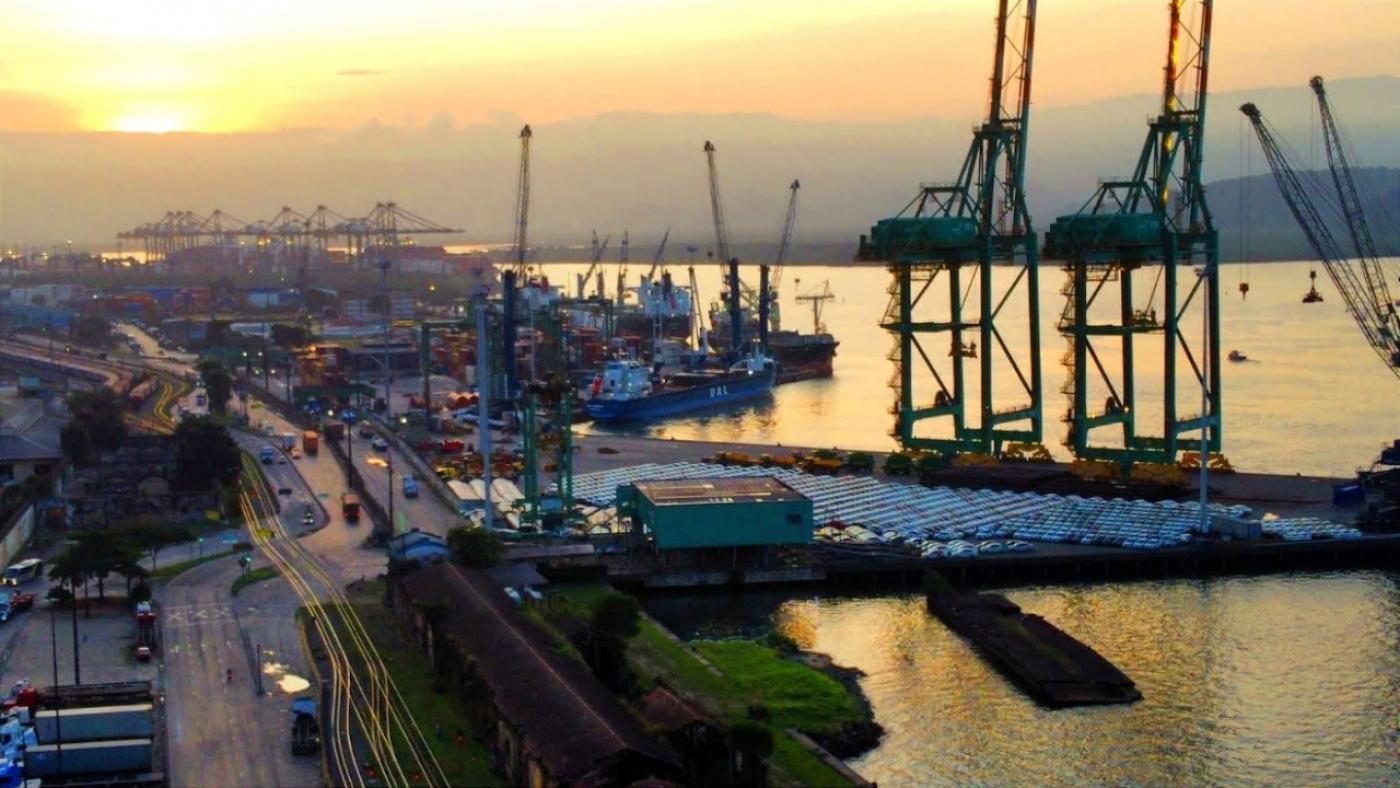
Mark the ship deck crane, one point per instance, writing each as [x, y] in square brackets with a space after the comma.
[660, 255]
[595, 257]
[818, 299]
[623, 257]
[954, 235]
[722, 249]
[784, 245]
[1155, 221]
[1374, 315]
[519, 253]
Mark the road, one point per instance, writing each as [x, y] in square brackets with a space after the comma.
[237, 732]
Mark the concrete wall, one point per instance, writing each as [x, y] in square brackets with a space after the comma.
[17, 536]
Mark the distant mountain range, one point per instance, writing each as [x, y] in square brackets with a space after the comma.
[646, 172]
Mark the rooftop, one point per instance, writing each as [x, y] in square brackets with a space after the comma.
[566, 718]
[28, 431]
[743, 489]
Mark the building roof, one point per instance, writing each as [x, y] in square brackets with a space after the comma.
[29, 432]
[671, 711]
[741, 489]
[572, 723]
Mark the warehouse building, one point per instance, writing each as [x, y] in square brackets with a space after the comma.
[732, 523]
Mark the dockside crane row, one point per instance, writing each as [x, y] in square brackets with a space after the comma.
[959, 232]
[1361, 284]
[1158, 217]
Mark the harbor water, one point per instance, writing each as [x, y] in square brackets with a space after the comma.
[1312, 398]
[1280, 680]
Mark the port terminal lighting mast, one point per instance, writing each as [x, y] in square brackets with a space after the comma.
[942, 250]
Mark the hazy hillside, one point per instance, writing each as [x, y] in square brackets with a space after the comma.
[637, 171]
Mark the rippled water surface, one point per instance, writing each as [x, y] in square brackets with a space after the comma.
[1285, 680]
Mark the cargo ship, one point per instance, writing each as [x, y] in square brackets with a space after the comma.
[659, 304]
[629, 390]
[800, 356]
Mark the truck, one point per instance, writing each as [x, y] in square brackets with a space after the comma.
[306, 730]
[310, 442]
[89, 757]
[335, 430]
[289, 441]
[267, 455]
[350, 507]
[410, 487]
[94, 723]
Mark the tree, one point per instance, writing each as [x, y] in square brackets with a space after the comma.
[101, 415]
[289, 336]
[475, 547]
[617, 616]
[218, 383]
[205, 455]
[73, 439]
[150, 536]
[753, 742]
[91, 330]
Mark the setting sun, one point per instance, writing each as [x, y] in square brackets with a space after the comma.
[148, 124]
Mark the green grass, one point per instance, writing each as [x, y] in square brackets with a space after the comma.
[468, 763]
[171, 570]
[797, 696]
[250, 577]
[746, 673]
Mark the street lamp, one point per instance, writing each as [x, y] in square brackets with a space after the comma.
[388, 316]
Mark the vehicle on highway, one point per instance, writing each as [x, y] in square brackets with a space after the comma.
[410, 487]
[22, 572]
[296, 454]
[267, 455]
[350, 507]
[379, 443]
[308, 517]
[365, 430]
[306, 730]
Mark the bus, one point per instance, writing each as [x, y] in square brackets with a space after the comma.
[350, 507]
[23, 571]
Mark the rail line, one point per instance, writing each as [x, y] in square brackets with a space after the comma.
[372, 701]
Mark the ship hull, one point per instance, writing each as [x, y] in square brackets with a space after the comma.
[722, 390]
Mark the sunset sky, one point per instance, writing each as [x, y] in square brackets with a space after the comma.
[254, 65]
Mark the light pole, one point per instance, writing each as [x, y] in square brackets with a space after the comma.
[388, 317]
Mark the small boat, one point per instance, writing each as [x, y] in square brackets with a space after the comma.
[629, 389]
[1236, 355]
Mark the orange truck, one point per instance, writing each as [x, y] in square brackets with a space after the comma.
[350, 507]
[310, 442]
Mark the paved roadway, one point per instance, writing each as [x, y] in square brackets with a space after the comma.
[224, 733]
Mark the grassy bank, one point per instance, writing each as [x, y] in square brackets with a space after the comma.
[729, 678]
[179, 567]
[250, 577]
[465, 763]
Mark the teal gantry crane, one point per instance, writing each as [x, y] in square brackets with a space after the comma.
[960, 232]
[1157, 218]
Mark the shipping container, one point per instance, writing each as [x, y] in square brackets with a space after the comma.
[122, 756]
[93, 723]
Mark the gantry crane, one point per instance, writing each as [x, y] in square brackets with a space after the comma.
[958, 233]
[1362, 284]
[784, 244]
[1156, 222]
[522, 209]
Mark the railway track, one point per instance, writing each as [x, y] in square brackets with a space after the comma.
[363, 694]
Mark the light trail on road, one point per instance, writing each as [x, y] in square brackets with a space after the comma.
[381, 711]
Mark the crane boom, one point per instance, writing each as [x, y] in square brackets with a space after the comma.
[785, 240]
[1372, 270]
[522, 206]
[1376, 321]
[595, 257]
[717, 208]
[660, 253]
